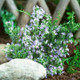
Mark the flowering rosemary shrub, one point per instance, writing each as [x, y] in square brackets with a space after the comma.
[41, 42]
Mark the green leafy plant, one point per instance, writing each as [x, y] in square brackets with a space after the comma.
[41, 41]
[72, 25]
[9, 23]
[74, 61]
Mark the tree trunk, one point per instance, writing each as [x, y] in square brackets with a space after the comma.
[12, 7]
[75, 6]
[59, 11]
[43, 4]
[1, 3]
[24, 19]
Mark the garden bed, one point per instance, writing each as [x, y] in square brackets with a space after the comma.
[4, 38]
[44, 38]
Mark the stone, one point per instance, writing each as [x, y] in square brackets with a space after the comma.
[22, 69]
[3, 59]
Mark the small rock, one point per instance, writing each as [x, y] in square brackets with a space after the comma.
[3, 59]
[22, 69]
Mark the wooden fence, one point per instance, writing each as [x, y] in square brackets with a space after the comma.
[23, 19]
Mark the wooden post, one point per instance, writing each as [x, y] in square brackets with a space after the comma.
[75, 6]
[77, 36]
[1, 3]
[61, 7]
[12, 7]
[43, 4]
[24, 19]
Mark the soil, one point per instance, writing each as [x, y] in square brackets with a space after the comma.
[4, 38]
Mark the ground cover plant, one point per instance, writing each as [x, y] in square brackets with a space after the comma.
[9, 22]
[74, 61]
[41, 40]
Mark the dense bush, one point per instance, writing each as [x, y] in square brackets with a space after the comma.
[41, 41]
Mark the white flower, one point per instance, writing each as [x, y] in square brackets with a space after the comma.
[59, 59]
[33, 50]
[7, 22]
[64, 42]
[36, 43]
[63, 33]
[39, 32]
[8, 44]
[55, 32]
[29, 37]
[22, 29]
[6, 49]
[67, 53]
[50, 45]
[64, 55]
[11, 28]
[42, 26]
[51, 56]
[55, 67]
[61, 49]
[70, 35]
[29, 52]
[55, 40]
[17, 44]
[46, 41]
[46, 30]
[71, 41]
[67, 49]
[51, 50]
[54, 49]
[58, 28]
[42, 48]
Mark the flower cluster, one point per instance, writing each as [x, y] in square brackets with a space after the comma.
[41, 42]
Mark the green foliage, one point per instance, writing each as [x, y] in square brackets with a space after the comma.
[71, 24]
[78, 1]
[15, 48]
[6, 16]
[9, 23]
[74, 61]
[41, 40]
